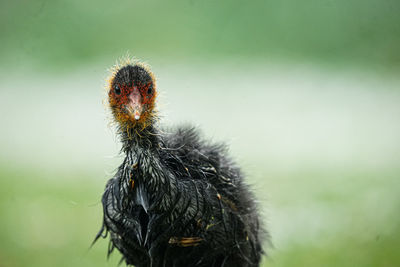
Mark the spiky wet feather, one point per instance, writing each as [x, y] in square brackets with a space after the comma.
[189, 205]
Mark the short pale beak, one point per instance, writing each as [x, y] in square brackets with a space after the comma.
[135, 106]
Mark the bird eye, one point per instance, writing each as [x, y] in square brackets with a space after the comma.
[117, 90]
[150, 90]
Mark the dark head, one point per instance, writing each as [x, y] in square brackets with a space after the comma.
[131, 95]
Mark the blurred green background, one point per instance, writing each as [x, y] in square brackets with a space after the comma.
[305, 92]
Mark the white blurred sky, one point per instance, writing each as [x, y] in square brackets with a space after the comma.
[281, 116]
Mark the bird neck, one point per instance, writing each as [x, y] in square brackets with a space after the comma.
[137, 139]
[143, 166]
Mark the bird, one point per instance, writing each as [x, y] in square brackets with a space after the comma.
[177, 199]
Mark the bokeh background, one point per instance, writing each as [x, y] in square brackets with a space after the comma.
[307, 94]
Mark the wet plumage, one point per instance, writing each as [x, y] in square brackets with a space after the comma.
[176, 200]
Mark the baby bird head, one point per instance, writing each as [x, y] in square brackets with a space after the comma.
[131, 95]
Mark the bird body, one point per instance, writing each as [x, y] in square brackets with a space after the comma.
[176, 200]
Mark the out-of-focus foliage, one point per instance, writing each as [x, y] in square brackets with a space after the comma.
[54, 33]
[53, 222]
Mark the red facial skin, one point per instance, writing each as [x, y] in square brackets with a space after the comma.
[126, 91]
[134, 101]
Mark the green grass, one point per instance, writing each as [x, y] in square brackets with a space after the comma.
[351, 218]
[51, 220]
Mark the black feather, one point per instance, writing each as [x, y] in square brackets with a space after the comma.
[177, 200]
[189, 205]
